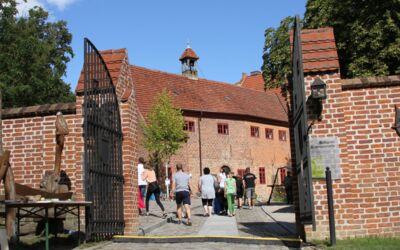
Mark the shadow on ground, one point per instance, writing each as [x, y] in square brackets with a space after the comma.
[268, 229]
[62, 242]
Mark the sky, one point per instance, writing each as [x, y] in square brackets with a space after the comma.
[227, 35]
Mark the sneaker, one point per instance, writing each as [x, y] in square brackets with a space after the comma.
[147, 213]
[179, 222]
[189, 223]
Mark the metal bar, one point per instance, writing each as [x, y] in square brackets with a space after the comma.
[332, 230]
[79, 227]
[46, 219]
[18, 224]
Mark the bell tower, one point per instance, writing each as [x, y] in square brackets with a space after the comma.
[189, 63]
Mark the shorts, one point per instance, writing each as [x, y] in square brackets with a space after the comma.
[182, 197]
[250, 193]
[207, 202]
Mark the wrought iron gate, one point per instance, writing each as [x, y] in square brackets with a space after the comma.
[300, 129]
[103, 149]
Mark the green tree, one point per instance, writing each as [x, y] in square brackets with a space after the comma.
[277, 54]
[163, 131]
[33, 57]
[367, 34]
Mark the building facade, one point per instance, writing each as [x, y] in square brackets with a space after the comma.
[226, 124]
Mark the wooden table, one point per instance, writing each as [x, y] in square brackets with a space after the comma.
[35, 210]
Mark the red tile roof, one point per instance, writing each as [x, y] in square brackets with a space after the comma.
[319, 50]
[188, 53]
[113, 60]
[204, 95]
[255, 82]
[193, 95]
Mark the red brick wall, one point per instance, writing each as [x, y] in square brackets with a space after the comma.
[238, 150]
[32, 144]
[31, 141]
[360, 112]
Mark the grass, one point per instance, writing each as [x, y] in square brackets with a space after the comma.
[367, 243]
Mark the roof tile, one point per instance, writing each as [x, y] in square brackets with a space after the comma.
[188, 53]
[204, 95]
[319, 50]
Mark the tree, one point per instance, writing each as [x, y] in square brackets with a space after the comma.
[163, 131]
[33, 57]
[367, 34]
[277, 54]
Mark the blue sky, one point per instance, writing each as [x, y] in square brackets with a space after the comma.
[228, 36]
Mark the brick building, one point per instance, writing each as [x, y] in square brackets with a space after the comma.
[227, 124]
[360, 114]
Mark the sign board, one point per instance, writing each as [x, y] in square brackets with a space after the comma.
[325, 153]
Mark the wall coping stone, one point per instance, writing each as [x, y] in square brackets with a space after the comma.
[39, 110]
[371, 82]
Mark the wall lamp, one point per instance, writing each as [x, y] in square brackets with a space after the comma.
[318, 93]
[318, 89]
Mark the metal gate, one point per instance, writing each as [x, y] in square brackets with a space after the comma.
[300, 131]
[103, 149]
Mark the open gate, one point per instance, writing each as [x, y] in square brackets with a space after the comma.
[103, 149]
[300, 132]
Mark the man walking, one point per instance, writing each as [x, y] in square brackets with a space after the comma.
[181, 188]
[249, 182]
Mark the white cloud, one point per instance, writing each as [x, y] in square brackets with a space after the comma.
[24, 7]
[61, 4]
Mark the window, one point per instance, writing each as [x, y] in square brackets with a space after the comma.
[189, 126]
[254, 131]
[262, 175]
[269, 133]
[282, 135]
[241, 172]
[223, 128]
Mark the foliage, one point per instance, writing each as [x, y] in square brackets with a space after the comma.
[367, 34]
[33, 58]
[163, 132]
[277, 54]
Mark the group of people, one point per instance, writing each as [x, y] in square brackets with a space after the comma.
[180, 190]
[221, 191]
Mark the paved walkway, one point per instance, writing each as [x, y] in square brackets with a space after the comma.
[219, 226]
[262, 221]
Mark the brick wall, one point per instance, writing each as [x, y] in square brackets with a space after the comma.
[360, 112]
[238, 150]
[30, 136]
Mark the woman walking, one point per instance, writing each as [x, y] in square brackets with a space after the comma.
[152, 188]
[230, 190]
[206, 187]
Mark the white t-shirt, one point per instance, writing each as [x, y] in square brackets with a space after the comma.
[222, 178]
[140, 169]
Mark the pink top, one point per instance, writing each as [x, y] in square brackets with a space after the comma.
[149, 176]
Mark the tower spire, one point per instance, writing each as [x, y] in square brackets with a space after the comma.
[189, 62]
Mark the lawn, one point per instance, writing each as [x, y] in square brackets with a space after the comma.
[362, 243]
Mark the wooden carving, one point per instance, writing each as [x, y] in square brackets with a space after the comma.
[51, 180]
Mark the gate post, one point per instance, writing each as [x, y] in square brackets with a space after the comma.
[332, 230]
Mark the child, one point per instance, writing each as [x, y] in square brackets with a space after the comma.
[230, 191]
